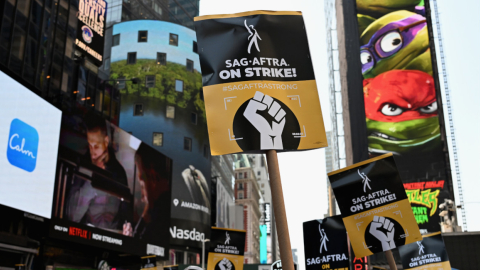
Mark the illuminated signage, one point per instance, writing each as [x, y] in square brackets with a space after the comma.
[91, 28]
[268, 220]
[425, 195]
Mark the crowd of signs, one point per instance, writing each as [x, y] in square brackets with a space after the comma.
[377, 215]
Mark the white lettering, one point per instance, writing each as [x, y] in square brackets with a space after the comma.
[20, 149]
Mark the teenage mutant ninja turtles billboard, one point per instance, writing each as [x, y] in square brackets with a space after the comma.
[401, 98]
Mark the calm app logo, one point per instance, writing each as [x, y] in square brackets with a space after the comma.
[22, 145]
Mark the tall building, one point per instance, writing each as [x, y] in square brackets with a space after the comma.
[247, 193]
[259, 166]
[332, 204]
[223, 180]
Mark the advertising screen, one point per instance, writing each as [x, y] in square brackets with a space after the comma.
[112, 190]
[166, 111]
[92, 17]
[401, 100]
[28, 147]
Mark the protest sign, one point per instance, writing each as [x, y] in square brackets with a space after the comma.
[430, 253]
[374, 206]
[226, 249]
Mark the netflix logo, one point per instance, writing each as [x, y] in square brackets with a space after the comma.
[79, 232]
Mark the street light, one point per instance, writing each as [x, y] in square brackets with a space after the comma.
[203, 252]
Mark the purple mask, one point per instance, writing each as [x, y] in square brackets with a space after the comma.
[389, 40]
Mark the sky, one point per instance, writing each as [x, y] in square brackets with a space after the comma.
[304, 174]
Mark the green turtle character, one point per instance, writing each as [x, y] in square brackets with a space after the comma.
[379, 8]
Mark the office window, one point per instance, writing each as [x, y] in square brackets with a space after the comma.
[193, 118]
[116, 40]
[179, 85]
[157, 8]
[138, 110]
[187, 144]
[157, 139]
[171, 112]
[189, 65]
[161, 59]
[195, 47]
[205, 151]
[132, 58]
[173, 39]
[150, 81]
[142, 36]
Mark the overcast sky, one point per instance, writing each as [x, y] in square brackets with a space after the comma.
[303, 173]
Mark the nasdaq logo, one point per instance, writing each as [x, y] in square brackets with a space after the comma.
[22, 145]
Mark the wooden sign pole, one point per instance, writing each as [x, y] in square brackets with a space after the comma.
[279, 211]
[390, 260]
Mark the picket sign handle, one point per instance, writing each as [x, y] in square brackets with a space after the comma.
[390, 260]
[279, 211]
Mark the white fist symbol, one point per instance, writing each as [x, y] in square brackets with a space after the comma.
[270, 135]
[385, 238]
[225, 264]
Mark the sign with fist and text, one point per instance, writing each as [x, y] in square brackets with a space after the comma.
[374, 206]
[227, 247]
[258, 83]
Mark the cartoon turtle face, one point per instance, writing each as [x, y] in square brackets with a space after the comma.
[378, 8]
[394, 42]
[401, 110]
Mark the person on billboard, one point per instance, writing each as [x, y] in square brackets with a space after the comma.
[154, 188]
[197, 186]
[89, 205]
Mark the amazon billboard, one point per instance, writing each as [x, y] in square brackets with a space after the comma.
[402, 100]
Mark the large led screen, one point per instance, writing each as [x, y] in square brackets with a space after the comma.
[112, 190]
[29, 130]
[166, 110]
[401, 102]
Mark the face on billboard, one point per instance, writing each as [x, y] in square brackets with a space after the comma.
[113, 191]
[168, 115]
[29, 145]
[401, 104]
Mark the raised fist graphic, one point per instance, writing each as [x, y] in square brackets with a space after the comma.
[225, 264]
[385, 237]
[270, 135]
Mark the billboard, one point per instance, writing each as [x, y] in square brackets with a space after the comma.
[29, 136]
[92, 18]
[402, 102]
[166, 111]
[260, 90]
[112, 190]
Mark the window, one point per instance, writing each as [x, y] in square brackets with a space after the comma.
[258, 173]
[205, 151]
[189, 65]
[187, 144]
[173, 39]
[142, 36]
[240, 175]
[157, 8]
[245, 175]
[116, 40]
[171, 112]
[263, 185]
[161, 59]
[150, 81]
[195, 47]
[132, 58]
[240, 195]
[263, 162]
[179, 85]
[240, 186]
[138, 110]
[193, 118]
[263, 192]
[157, 139]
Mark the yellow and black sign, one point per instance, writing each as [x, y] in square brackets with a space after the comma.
[149, 263]
[258, 83]
[374, 206]
[428, 254]
[226, 249]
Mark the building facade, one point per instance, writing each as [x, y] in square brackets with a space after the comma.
[247, 193]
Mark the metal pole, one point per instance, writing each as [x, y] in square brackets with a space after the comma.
[203, 254]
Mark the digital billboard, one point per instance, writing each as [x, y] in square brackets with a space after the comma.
[402, 101]
[29, 135]
[166, 111]
[112, 190]
[92, 18]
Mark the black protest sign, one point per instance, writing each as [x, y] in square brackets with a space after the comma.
[258, 82]
[149, 262]
[430, 253]
[227, 247]
[374, 206]
[277, 265]
[325, 243]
